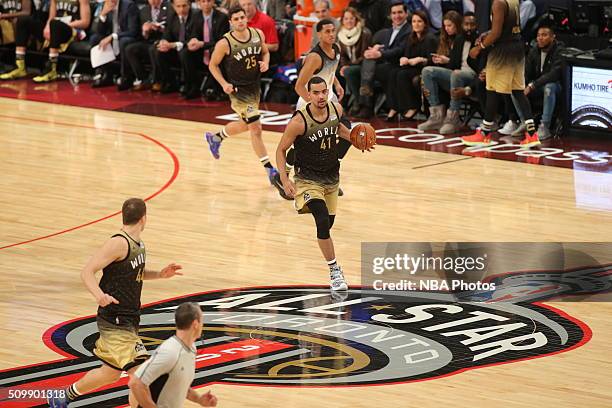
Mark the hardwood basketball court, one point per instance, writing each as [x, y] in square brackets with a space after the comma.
[66, 170]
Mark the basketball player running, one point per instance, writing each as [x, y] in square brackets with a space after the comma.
[313, 131]
[322, 61]
[122, 261]
[165, 379]
[244, 56]
[505, 71]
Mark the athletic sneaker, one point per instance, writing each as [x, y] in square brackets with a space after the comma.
[337, 281]
[530, 141]
[50, 76]
[520, 131]
[275, 180]
[544, 132]
[214, 143]
[17, 73]
[58, 401]
[477, 139]
[509, 127]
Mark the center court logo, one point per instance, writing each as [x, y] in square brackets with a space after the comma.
[302, 336]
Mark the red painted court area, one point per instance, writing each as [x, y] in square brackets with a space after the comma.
[580, 153]
[28, 395]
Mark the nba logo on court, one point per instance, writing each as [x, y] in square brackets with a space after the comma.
[303, 336]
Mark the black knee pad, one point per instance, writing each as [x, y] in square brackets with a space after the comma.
[319, 211]
[332, 218]
[290, 156]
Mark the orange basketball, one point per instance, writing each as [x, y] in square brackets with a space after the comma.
[363, 136]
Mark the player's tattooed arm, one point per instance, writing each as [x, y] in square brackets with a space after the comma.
[167, 272]
[115, 249]
[221, 50]
[294, 129]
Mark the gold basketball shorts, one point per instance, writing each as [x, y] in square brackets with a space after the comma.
[307, 190]
[119, 347]
[245, 102]
[506, 78]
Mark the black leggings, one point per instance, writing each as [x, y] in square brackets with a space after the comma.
[28, 26]
[60, 33]
[494, 99]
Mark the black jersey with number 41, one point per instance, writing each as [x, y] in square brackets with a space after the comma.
[316, 152]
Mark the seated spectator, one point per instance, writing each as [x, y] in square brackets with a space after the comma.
[543, 74]
[404, 95]
[116, 26]
[209, 27]
[455, 74]
[382, 58]
[375, 13]
[169, 51]
[68, 20]
[321, 11]
[354, 39]
[19, 23]
[257, 19]
[153, 19]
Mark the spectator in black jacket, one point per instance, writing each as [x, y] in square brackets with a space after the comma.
[543, 74]
[405, 81]
[210, 25]
[179, 29]
[116, 26]
[382, 57]
[153, 22]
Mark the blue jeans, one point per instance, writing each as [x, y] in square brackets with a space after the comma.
[550, 92]
[435, 78]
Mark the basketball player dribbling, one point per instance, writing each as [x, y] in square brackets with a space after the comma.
[322, 61]
[313, 131]
[244, 56]
[122, 261]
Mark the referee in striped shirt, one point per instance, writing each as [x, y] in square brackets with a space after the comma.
[165, 379]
